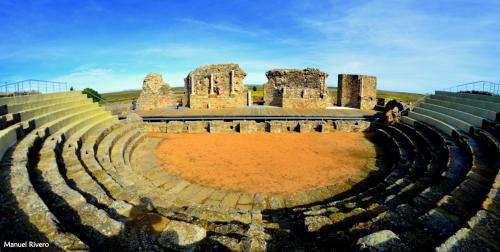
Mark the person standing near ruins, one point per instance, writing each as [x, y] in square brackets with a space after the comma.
[134, 104]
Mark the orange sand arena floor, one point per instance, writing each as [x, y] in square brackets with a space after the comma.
[285, 163]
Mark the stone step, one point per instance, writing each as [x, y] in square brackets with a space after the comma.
[391, 150]
[87, 156]
[492, 202]
[114, 143]
[464, 240]
[440, 222]
[484, 113]
[104, 147]
[62, 127]
[10, 135]
[96, 227]
[129, 151]
[491, 145]
[47, 106]
[403, 141]
[422, 147]
[22, 99]
[493, 106]
[29, 105]
[453, 121]
[118, 151]
[485, 225]
[49, 117]
[478, 97]
[76, 172]
[408, 120]
[474, 120]
[381, 195]
[458, 163]
[442, 126]
[25, 198]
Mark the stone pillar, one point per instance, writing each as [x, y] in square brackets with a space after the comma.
[325, 90]
[211, 84]
[191, 85]
[231, 77]
[284, 91]
[249, 98]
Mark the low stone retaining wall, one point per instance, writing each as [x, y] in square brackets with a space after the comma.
[217, 126]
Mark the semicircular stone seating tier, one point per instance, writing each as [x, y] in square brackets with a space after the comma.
[71, 176]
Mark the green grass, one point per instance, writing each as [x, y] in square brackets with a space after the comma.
[399, 96]
[119, 97]
[127, 96]
[388, 95]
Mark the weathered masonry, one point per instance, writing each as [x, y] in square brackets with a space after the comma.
[155, 94]
[216, 86]
[357, 91]
[295, 88]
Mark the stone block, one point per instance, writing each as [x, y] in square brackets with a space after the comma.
[464, 240]
[306, 127]
[296, 88]
[176, 127]
[216, 86]
[384, 240]
[441, 222]
[179, 234]
[277, 126]
[315, 223]
[220, 127]
[486, 225]
[155, 93]
[323, 127]
[248, 127]
[197, 127]
[357, 91]
[351, 126]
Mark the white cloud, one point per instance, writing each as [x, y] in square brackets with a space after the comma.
[407, 47]
[101, 79]
[224, 27]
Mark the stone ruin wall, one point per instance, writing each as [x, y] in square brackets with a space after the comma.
[155, 94]
[295, 88]
[216, 86]
[274, 126]
[357, 91]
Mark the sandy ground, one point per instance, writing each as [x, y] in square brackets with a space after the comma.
[283, 163]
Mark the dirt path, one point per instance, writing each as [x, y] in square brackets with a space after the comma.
[283, 163]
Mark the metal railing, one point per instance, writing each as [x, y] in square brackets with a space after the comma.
[477, 86]
[33, 86]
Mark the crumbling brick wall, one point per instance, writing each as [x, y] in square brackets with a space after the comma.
[216, 86]
[295, 88]
[357, 91]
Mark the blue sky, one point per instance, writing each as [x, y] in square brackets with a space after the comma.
[410, 45]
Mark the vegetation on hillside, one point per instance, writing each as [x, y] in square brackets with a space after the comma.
[390, 95]
[91, 93]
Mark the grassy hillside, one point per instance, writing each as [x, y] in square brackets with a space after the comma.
[127, 96]
[391, 95]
